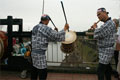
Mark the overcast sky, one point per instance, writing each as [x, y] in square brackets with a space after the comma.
[81, 14]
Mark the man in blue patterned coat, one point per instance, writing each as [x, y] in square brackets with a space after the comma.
[106, 39]
[41, 35]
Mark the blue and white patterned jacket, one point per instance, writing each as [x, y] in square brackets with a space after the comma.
[42, 34]
[106, 39]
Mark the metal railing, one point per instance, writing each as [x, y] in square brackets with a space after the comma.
[78, 58]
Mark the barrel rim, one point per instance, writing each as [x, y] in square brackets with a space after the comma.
[2, 48]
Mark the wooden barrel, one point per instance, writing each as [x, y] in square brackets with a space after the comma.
[3, 44]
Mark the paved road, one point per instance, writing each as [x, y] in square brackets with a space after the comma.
[15, 75]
